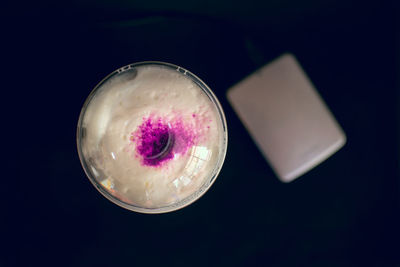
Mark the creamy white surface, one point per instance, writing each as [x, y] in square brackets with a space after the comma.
[119, 108]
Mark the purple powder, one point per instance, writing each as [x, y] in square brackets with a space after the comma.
[157, 140]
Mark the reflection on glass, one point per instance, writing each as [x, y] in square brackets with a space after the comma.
[199, 156]
[108, 184]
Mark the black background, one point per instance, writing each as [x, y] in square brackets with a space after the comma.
[345, 212]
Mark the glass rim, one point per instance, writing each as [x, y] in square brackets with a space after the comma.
[208, 181]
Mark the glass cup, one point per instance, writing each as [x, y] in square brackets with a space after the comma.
[152, 137]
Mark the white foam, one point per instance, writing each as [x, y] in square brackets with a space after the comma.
[119, 109]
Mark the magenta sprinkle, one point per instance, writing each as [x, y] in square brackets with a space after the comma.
[157, 140]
